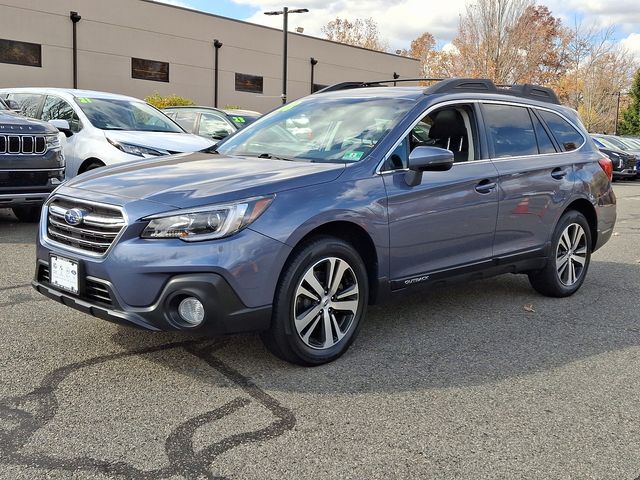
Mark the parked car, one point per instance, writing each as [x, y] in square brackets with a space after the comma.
[104, 128]
[207, 122]
[31, 163]
[211, 122]
[294, 237]
[624, 164]
[619, 143]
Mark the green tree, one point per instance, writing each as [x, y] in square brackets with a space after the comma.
[161, 102]
[630, 123]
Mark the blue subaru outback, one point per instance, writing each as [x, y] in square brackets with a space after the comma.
[345, 198]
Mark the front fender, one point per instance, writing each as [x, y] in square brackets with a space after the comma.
[296, 213]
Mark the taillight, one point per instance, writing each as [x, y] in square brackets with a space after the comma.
[607, 165]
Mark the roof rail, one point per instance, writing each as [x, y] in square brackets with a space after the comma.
[466, 85]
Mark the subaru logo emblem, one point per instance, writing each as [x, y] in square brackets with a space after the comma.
[75, 216]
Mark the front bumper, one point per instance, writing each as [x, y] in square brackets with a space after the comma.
[224, 311]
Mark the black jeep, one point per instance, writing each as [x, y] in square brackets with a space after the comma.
[31, 163]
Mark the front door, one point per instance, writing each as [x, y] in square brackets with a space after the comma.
[449, 219]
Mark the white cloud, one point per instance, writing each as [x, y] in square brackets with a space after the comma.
[632, 43]
[399, 21]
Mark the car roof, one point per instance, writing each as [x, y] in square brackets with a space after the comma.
[237, 111]
[69, 92]
[192, 107]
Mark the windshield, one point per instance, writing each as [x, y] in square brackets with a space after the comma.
[112, 114]
[320, 129]
[2, 105]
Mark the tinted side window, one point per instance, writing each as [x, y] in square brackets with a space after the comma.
[567, 136]
[545, 144]
[511, 130]
[187, 120]
[29, 103]
[57, 109]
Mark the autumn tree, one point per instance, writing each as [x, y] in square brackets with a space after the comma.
[630, 123]
[424, 49]
[360, 33]
[597, 69]
[486, 39]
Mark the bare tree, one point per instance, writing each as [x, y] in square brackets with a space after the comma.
[360, 33]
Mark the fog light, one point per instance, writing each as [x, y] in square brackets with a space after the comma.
[191, 311]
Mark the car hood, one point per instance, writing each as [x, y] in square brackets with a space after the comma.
[14, 123]
[169, 141]
[190, 180]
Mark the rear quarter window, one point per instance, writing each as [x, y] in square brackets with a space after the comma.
[567, 136]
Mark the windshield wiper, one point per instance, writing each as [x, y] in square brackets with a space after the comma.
[269, 156]
[211, 149]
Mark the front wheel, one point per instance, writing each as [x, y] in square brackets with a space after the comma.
[571, 254]
[320, 303]
[29, 214]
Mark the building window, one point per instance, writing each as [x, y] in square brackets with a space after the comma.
[149, 70]
[20, 53]
[318, 86]
[248, 83]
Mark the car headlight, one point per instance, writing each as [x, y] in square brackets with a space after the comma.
[136, 150]
[206, 223]
[53, 142]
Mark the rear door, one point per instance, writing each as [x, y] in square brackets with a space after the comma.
[448, 220]
[535, 177]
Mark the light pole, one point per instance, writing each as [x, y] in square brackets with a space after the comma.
[313, 62]
[617, 111]
[75, 18]
[285, 26]
[217, 45]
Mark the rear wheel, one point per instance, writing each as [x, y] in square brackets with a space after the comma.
[571, 254]
[319, 304]
[27, 214]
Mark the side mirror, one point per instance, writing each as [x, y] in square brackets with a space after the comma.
[427, 159]
[219, 134]
[63, 126]
[13, 105]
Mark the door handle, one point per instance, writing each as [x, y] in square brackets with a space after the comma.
[485, 186]
[558, 173]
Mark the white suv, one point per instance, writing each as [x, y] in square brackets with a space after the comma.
[104, 128]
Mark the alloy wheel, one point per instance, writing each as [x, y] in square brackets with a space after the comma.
[571, 254]
[326, 303]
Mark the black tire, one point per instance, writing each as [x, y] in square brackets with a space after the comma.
[549, 281]
[283, 338]
[29, 214]
[92, 165]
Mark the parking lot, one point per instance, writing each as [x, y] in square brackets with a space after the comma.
[484, 380]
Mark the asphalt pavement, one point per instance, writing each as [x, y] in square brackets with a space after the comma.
[481, 380]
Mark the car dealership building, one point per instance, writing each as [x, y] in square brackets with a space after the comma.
[138, 47]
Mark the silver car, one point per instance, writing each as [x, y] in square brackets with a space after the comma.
[104, 128]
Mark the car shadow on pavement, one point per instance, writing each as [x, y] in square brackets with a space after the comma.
[470, 334]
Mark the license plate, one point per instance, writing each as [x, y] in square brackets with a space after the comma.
[64, 273]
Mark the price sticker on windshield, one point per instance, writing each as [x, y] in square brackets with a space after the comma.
[352, 156]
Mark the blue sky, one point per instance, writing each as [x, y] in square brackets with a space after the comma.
[226, 8]
[399, 24]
